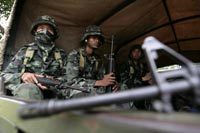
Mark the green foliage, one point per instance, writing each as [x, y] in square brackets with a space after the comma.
[5, 7]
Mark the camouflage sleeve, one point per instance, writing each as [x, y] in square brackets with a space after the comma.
[101, 70]
[124, 73]
[145, 69]
[63, 77]
[12, 74]
[100, 75]
[73, 74]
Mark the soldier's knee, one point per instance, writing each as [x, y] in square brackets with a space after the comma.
[29, 91]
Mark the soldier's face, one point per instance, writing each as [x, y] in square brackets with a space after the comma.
[93, 42]
[136, 54]
[46, 27]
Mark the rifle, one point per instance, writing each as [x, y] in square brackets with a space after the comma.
[190, 74]
[111, 65]
[59, 85]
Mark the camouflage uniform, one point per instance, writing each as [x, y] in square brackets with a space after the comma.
[43, 62]
[131, 75]
[83, 71]
[85, 77]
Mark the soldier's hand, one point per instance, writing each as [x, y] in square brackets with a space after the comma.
[147, 77]
[39, 84]
[42, 86]
[31, 78]
[107, 80]
[115, 88]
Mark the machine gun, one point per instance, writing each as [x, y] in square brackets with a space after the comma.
[164, 88]
[59, 85]
[111, 65]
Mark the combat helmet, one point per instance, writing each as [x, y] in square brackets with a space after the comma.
[93, 30]
[45, 20]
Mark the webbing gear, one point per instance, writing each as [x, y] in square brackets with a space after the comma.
[82, 61]
[132, 69]
[58, 58]
[29, 55]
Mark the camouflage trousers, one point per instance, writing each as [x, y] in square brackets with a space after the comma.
[28, 91]
[32, 91]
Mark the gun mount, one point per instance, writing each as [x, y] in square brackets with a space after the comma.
[189, 79]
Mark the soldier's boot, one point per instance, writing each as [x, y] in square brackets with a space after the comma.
[29, 91]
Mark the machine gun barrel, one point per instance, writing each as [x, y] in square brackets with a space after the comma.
[46, 108]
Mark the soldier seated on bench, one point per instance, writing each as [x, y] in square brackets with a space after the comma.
[40, 58]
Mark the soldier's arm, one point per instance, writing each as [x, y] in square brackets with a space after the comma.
[124, 73]
[12, 74]
[63, 76]
[103, 79]
[100, 75]
[146, 75]
[72, 69]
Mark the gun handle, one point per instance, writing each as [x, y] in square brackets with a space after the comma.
[109, 89]
[47, 82]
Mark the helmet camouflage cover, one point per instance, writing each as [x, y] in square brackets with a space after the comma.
[93, 30]
[45, 20]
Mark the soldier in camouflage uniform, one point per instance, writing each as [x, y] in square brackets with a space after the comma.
[38, 59]
[134, 73]
[85, 68]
